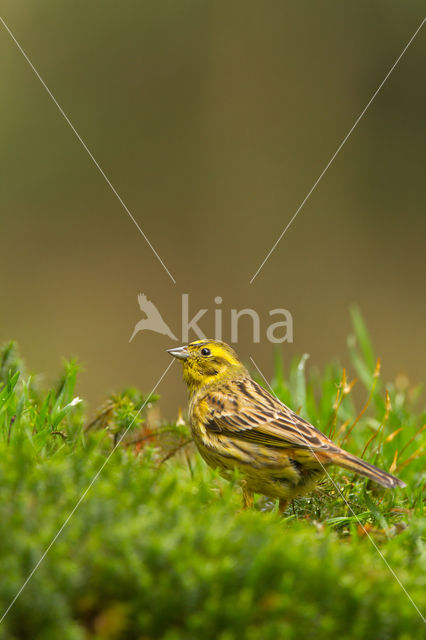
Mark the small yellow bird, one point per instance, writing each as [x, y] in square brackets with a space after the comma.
[236, 424]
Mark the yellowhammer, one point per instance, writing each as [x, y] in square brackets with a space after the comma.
[236, 424]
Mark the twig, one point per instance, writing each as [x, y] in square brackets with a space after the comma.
[59, 433]
[99, 417]
[148, 435]
[175, 450]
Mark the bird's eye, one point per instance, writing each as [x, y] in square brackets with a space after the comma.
[205, 352]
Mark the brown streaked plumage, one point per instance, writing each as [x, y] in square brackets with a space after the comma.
[237, 424]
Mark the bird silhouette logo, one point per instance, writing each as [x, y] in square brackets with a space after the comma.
[153, 320]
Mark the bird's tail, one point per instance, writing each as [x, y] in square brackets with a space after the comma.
[351, 462]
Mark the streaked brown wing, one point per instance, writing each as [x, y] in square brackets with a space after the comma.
[244, 409]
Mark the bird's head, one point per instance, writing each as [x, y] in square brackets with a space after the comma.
[206, 362]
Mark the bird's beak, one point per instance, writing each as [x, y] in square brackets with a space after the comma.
[179, 352]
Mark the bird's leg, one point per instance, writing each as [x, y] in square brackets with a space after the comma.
[282, 505]
[248, 499]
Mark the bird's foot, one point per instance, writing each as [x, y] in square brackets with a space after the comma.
[248, 498]
[282, 505]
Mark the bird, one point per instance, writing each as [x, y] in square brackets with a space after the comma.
[238, 425]
[153, 321]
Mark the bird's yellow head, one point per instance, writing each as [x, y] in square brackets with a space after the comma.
[206, 362]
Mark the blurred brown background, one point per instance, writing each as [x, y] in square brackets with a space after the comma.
[212, 120]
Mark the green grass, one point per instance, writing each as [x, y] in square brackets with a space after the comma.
[161, 549]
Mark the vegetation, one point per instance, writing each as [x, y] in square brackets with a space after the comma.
[159, 545]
